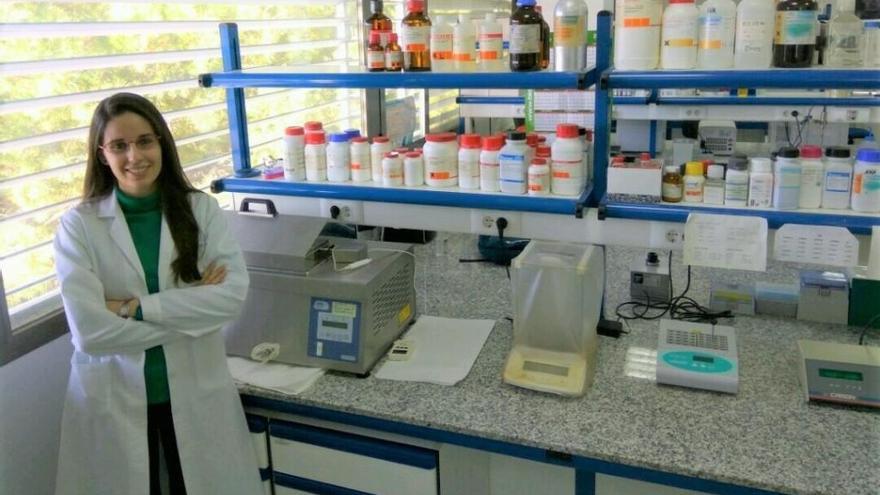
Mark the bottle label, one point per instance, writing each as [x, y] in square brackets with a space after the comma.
[525, 38]
[414, 38]
[867, 182]
[736, 191]
[375, 59]
[838, 181]
[393, 60]
[491, 46]
[569, 31]
[464, 48]
[712, 30]
[441, 46]
[795, 28]
[751, 37]
[639, 13]
[671, 191]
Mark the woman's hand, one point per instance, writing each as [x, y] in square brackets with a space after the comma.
[213, 274]
[115, 305]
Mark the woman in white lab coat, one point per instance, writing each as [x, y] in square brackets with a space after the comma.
[149, 274]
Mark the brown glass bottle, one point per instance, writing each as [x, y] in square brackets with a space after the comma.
[375, 54]
[379, 22]
[415, 36]
[393, 55]
[545, 39]
[794, 39]
[672, 185]
[525, 37]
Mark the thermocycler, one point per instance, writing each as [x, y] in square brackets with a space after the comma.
[305, 306]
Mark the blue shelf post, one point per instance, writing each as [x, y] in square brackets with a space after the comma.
[602, 123]
[237, 116]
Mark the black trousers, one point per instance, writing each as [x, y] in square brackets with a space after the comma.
[160, 433]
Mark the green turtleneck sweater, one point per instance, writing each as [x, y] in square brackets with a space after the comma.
[144, 219]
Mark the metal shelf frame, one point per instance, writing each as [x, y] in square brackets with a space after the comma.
[610, 80]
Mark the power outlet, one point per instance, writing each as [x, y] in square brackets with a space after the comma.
[342, 211]
[484, 222]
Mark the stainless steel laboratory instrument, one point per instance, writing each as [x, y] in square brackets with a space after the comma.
[319, 315]
[842, 373]
[697, 355]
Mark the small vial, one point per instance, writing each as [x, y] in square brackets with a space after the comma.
[693, 182]
[375, 53]
[713, 189]
[393, 55]
[539, 177]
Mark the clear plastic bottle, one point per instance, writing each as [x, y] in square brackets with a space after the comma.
[845, 37]
[464, 45]
[693, 182]
[513, 168]
[441, 45]
[761, 183]
[637, 34]
[837, 186]
[866, 181]
[872, 44]
[526, 41]
[679, 35]
[717, 27]
[794, 41]
[491, 44]
[570, 35]
[415, 37]
[812, 172]
[787, 179]
[755, 20]
[736, 184]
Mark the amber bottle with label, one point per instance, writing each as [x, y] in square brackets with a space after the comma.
[526, 43]
[393, 55]
[415, 36]
[378, 22]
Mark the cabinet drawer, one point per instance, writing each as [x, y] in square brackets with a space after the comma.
[351, 461]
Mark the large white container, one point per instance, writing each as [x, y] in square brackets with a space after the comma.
[566, 166]
[679, 35]
[557, 295]
[338, 158]
[413, 169]
[491, 52]
[380, 146]
[392, 169]
[761, 183]
[866, 181]
[441, 160]
[316, 157]
[441, 45]
[513, 167]
[717, 27]
[469, 161]
[787, 179]
[812, 173]
[464, 45]
[489, 164]
[755, 21]
[838, 178]
[570, 35]
[361, 166]
[637, 34]
[294, 153]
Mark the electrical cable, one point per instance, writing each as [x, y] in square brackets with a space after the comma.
[867, 327]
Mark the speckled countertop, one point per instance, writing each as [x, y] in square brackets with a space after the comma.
[764, 437]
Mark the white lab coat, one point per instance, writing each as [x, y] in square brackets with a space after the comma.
[104, 426]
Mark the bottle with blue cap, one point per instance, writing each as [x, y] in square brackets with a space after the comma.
[338, 158]
[866, 181]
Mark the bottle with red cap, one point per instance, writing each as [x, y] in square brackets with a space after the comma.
[380, 146]
[361, 168]
[413, 169]
[316, 156]
[566, 166]
[441, 160]
[489, 163]
[393, 54]
[392, 169]
[812, 173]
[539, 177]
[415, 36]
[294, 153]
[375, 53]
[469, 161]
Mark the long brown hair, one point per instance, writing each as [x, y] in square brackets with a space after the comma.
[174, 188]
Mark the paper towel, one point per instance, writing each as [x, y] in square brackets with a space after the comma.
[874, 255]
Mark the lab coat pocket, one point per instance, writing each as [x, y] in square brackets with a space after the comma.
[90, 381]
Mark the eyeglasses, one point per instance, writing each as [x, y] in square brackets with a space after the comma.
[121, 146]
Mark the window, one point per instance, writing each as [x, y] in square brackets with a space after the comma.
[58, 59]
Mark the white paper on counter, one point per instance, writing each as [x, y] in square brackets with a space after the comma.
[726, 241]
[279, 377]
[444, 350]
[835, 246]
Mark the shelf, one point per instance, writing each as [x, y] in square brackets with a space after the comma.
[355, 77]
[857, 223]
[451, 197]
[769, 78]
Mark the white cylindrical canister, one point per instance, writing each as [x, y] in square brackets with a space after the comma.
[513, 168]
[441, 160]
[838, 178]
[338, 158]
[539, 177]
[392, 170]
[489, 176]
[294, 153]
[361, 169]
[469, 161]
[380, 146]
[413, 169]
[812, 173]
[567, 156]
[316, 157]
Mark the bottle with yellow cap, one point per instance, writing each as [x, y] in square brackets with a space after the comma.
[693, 182]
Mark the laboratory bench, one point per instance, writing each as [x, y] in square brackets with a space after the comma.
[491, 437]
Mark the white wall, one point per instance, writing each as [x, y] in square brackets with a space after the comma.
[31, 398]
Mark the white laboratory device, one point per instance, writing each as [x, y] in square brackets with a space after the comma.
[718, 136]
[697, 355]
[842, 373]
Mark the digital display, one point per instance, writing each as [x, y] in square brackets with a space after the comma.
[704, 359]
[335, 324]
[841, 374]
